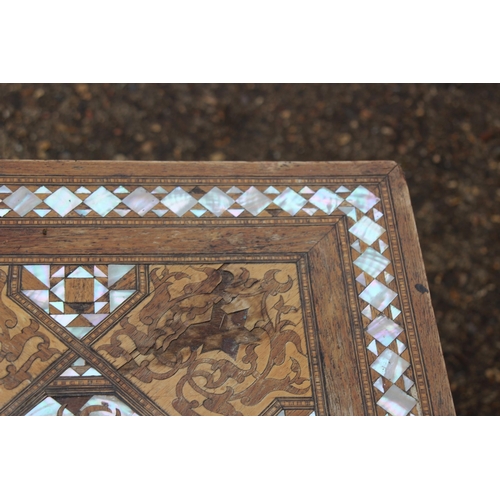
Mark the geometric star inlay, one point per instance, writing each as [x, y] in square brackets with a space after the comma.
[79, 297]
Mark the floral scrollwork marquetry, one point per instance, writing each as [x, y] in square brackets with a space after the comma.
[26, 347]
[214, 339]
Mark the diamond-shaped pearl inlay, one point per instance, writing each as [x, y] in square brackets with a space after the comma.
[384, 330]
[253, 201]
[216, 201]
[290, 201]
[362, 199]
[140, 201]
[378, 295]
[396, 402]
[372, 262]
[367, 230]
[63, 201]
[179, 201]
[326, 200]
[102, 201]
[390, 365]
[22, 201]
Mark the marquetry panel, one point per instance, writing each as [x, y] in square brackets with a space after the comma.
[214, 339]
[290, 289]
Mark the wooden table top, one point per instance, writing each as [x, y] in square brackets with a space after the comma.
[207, 288]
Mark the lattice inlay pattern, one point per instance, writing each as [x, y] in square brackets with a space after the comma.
[80, 368]
[186, 201]
[385, 338]
[78, 297]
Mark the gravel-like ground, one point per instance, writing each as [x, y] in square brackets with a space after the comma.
[447, 138]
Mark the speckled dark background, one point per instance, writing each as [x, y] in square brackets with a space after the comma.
[446, 137]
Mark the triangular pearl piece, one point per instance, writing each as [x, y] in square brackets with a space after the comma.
[401, 346]
[59, 290]
[408, 383]
[372, 347]
[99, 290]
[83, 213]
[98, 273]
[383, 246]
[395, 312]
[236, 211]
[41, 212]
[59, 273]
[310, 211]
[343, 189]
[117, 297]
[43, 190]
[306, 190]
[116, 272]
[356, 246]
[79, 272]
[92, 372]
[367, 312]
[361, 279]
[198, 212]
[121, 189]
[69, 373]
[95, 319]
[64, 319]
[234, 190]
[82, 190]
[98, 306]
[379, 384]
[58, 305]
[377, 214]
[42, 273]
[122, 212]
[160, 213]
[159, 190]
[271, 190]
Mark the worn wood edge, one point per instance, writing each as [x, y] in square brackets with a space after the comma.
[425, 321]
[337, 345]
[187, 169]
[311, 336]
[355, 318]
[28, 241]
